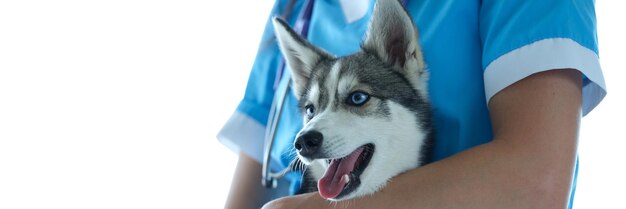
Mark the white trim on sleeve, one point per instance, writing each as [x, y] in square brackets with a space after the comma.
[242, 133]
[540, 56]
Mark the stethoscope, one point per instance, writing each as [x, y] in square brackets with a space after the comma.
[269, 178]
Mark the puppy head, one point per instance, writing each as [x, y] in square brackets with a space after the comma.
[362, 109]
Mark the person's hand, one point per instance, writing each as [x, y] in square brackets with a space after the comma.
[303, 201]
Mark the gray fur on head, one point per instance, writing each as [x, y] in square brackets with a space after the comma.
[392, 36]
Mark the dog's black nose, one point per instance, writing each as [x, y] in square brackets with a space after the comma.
[308, 143]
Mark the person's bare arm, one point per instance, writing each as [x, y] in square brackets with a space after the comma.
[246, 190]
[529, 163]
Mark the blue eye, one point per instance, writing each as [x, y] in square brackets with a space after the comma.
[358, 98]
[310, 111]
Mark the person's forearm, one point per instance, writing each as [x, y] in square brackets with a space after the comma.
[246, 190]
[489, 176]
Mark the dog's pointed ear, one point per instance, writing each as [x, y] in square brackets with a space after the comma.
[300, 55]
[393, 37]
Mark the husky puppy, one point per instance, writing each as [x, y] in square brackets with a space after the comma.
[367, 116]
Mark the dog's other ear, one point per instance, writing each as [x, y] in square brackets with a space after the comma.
[300, 55]
[393, 37]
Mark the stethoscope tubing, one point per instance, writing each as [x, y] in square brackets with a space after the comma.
[269, 178]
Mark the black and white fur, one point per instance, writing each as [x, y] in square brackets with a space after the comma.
[393, 124]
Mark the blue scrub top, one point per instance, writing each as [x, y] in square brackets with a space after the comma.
[473, 49]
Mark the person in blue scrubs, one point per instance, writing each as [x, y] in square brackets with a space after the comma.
[509, 83]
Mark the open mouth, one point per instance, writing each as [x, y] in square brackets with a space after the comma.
[343, 174]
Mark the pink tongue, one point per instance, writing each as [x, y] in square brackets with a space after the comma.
[332, 183]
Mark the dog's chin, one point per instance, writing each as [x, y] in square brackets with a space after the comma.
[342, 178]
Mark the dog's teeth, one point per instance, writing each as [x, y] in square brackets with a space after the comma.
[346, 178]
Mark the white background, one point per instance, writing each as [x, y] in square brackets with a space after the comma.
[116, 104]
